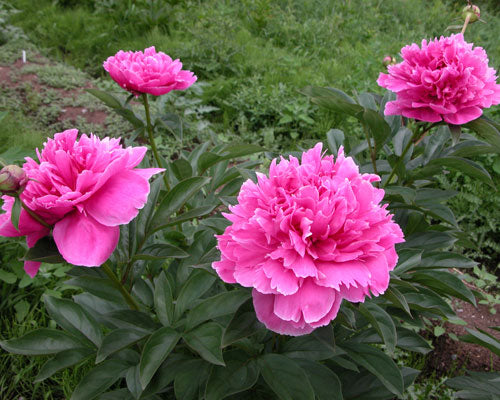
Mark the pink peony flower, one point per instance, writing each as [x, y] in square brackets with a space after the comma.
[308, 236]
[148, 72]
[445, 79]
[85, 188]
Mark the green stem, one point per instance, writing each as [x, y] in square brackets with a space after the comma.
[126, 295]
[373, 156]
[34, 215]
[152, 143]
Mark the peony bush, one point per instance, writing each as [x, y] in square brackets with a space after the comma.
[218, 279]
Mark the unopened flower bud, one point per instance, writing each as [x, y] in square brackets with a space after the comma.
[473, 11]
[388, 60]
[12, 179]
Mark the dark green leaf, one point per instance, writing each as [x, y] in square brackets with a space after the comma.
[325, 383]
[15, 213]
[412, 341]
[176, 198]
[62, 360]
[401, 140]
[106, 98]
[117, 340]
[486, 130]
[163, 299]
[206, 340]
[397, 298]
[196, 285]
[73, 318]
[206, 160]
[99, 379]
[188, 216]
[379, 364]
[235, 150]
[445, 259]
[333, 99]
[335, 138]
[40, 342]
[182, 169]
[216, 306]
[430, 240]
[285, 377]
[382, 322]
[155, 351]
[463, 165]
[190, 379]
[379, 129]
[131, 319]
[477, 386]
[133, 382]
[445, 283]
[45, 250]
[160, 251]
[243, 324]
[436, 143]
[408, 259]
[482, 338]
[99, 287]
[236, 377]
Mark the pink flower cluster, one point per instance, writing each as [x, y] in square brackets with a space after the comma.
[307, 236]
[85, 189]
[445, 79]
[149, 72]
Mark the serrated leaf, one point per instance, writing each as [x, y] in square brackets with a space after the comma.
[285, 377]
[62, 360]
[206, 340]
[155, 351]
[40, 342]
[216, 306]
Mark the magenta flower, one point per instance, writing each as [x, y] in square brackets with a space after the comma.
[307, 236]
[445, 79]
[148, 72]
[85, 188]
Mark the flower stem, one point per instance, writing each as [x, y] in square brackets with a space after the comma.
[467, 19]
[126, 295]
[152, 142]
[33, 215]
[373, 156]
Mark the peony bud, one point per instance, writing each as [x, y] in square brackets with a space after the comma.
[388, 60]
[472, 11]
[12, 179]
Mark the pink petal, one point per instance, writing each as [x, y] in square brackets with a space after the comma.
[82, 240]
[32, 267]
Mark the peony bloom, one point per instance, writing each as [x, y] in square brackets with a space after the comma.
[446, 80]
[148, 72]
[307, 236]
[85, 188]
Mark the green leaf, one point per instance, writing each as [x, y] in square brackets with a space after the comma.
[428, 300]
[243, 324]
[206, 160]
[439, 330]
[197, 284]
[333, 99]
[73, 318]
[99, 287]
[206, 341]
[106, 98]
[40, 342]
[308, 347]
[397, 298]
[456, 131]
[131, 319]
[325, 383]
[409, 340]
[430, 240]
[99, 379]
[117, 340]
[236, 377]
[155, 351]
[7, 277]
[335, 138]
[486, 130]
[401, 140]
[62, 360]
[188, 216]
[379, 129]
[189, 378]
[382, 322]
[176, 198]
[408, 259]
[379, 364]
[463, 165]
[285, 377]
[132, 378]
[216, 306]
[477, 386]
[445, 283]
[236, 150]
[182, 169]
[445, 259]
[163, 300]
[45, 250]
[436, 143]
[482, 338]
[15, 213]
[160, 251]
